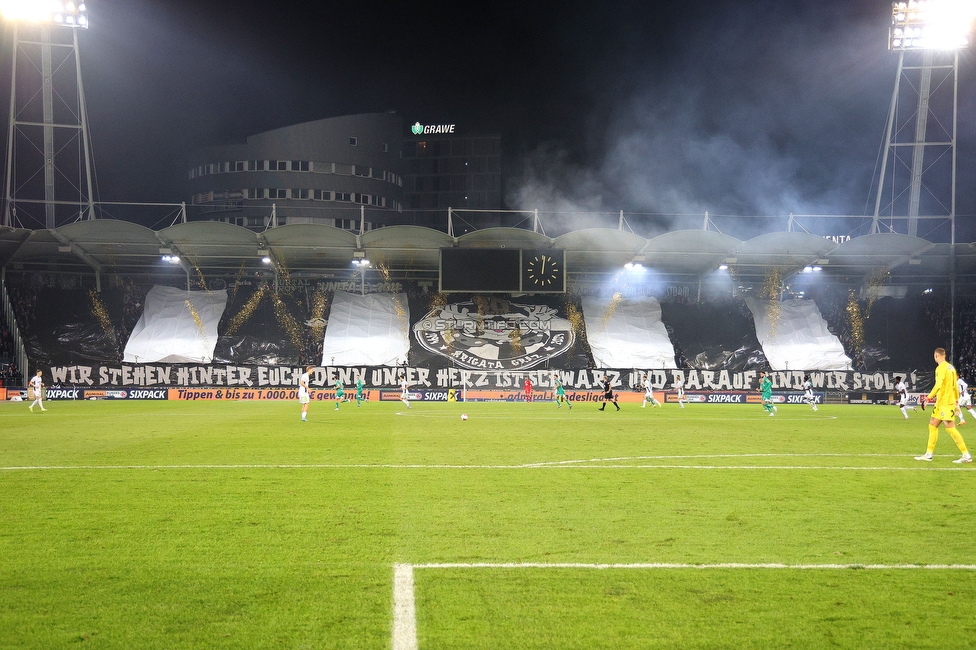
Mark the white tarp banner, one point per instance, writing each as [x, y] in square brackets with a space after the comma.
[370, 330]
[794, 336]
[625, 333]
[176, 326]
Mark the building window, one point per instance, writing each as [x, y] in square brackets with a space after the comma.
[240, 166]
[353, 142]
[360, 170]
[343, 196]
[386, 148]
[421, 148]
[322, 195]
[255, 193]
[255, 165]
[299, 194]
[299, 165]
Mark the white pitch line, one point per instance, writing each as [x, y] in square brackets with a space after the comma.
[670, 565]
[404, 605]
[667, 565]
[563, 465]
[404, 609]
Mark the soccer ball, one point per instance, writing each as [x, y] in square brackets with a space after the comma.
[464, 416]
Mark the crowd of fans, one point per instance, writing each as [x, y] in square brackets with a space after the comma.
[9, 373]
[877, 348]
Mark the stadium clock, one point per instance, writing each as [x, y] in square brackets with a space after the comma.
[543, 271]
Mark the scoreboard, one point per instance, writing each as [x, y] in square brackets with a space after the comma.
[482, 270]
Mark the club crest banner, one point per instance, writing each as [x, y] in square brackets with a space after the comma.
[494, 334]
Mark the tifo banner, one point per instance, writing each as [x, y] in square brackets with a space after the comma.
[422, 378]
[495, 334]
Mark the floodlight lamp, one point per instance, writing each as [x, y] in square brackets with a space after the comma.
[45, 11]
[723, 267]
[933, 25]
[808, 269]
[266, 259]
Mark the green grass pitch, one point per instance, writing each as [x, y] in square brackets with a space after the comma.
[235, 525]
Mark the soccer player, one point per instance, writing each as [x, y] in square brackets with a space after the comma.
[360, 396]
[303, 396]
[36, 384]
[560, 393]
[902, 389]
[766, 390]
[608, 395]
[808, 397]
[946, 396]
[527, 389]
[404, 391]
[965, 401]
[648, 392]
[679, 387]
[340, 394]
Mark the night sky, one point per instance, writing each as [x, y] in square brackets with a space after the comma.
[746, 108]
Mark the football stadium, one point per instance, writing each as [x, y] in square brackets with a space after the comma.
[731, 432]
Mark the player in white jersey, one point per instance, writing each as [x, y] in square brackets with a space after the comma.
[679, 388]
[965, 401]
[808, 397]
[902, 389]
[404, 391]
[648, 392]
[303, 396]
[36, 385]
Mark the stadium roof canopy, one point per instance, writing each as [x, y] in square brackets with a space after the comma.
[209, 248]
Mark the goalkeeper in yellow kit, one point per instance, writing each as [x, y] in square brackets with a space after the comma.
[945, 393]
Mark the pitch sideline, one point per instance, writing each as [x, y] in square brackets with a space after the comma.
[404, 633]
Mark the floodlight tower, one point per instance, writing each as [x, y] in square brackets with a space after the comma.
[48, 174]
[920, 139]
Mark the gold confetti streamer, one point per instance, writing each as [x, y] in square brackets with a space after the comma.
[237, 282]
[575, 317]
[481, 303]
[284, 277]
[770, 291]
[101, 315]
[515, 337]
[287, 321]
[247, 310]
[611, 308]
[319, 303]
[199, 321]
[856, 322]
[438, 301]
[401, 311]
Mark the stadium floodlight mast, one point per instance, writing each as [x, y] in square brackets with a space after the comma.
[48, 23]
[927, 34]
